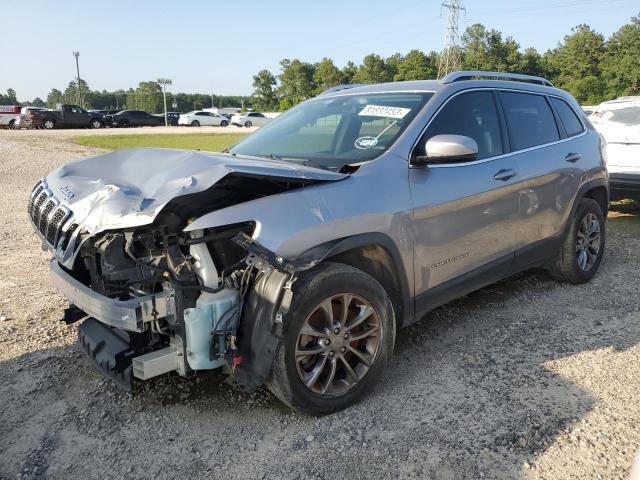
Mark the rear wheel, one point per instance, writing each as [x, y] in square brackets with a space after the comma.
[581, 253]
[123, 123]
[224, 123]
[195, 123]
[248, 124]
[12, 125]
[338, 337]
[49, 124]
[95, 123]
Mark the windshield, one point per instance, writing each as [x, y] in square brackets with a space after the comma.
[333, 132]
[626, 116]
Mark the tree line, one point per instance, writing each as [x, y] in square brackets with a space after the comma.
[590, 67]
[146, 96]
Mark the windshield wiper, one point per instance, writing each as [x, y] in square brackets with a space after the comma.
[300, 161]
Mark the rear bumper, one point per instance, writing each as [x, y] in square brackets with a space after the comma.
[125, 314]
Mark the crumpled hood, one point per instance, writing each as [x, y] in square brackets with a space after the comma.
[128, 188]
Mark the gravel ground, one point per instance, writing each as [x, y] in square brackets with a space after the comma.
[524, 379]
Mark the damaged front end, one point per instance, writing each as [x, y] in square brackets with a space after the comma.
[159, 298]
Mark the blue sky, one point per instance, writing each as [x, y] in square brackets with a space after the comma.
[217, 46]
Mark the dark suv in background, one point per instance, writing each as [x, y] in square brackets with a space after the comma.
[133, 118]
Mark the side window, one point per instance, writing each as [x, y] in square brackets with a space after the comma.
[473, 115]
[568, 117]
[530, 120]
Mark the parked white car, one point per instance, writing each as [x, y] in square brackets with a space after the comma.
[200, 118]
[8, 115]
[619, 123]
[250, 119]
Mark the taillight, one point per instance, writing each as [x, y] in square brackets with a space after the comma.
[603, 148]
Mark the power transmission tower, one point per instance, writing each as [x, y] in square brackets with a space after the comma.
[451, 59]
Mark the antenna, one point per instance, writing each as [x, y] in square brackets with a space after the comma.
[451, 60]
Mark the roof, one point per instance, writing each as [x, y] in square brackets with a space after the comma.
[479, 79]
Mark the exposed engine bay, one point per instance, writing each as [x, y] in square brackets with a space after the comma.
[156, 295]
[200, 332]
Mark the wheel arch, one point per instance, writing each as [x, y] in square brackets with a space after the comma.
[598, 190]
[377, 255]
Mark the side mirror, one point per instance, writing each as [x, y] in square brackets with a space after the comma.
[447, 148]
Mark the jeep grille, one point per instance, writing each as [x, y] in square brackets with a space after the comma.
[46, 213]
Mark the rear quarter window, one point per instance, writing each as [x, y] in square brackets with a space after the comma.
[530, 120]
[570, 121]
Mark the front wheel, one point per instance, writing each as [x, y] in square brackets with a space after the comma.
[338, 337]
[581, 253]
[195, 123]
[248, 124]
[12, 125]
[224, 123]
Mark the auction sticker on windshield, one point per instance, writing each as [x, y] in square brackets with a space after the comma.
[382, 111]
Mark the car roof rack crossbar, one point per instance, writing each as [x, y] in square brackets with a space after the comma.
[470, 75]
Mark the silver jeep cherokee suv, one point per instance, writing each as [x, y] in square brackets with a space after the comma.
[291, 259]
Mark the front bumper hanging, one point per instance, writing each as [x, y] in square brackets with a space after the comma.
[125, 314]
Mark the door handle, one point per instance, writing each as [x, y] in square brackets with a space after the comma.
[572, 157]
[505, 174]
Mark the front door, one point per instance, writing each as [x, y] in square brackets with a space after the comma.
[465, 214]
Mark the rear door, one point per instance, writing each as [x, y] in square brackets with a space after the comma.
[550, 169]
[465, 216]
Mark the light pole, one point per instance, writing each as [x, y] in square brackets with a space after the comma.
[77, 54]
[164, 82]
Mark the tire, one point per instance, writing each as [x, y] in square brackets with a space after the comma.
[224, 123]
[95, 123]
[123, 123]
[12, 125]
[49, 124]
[248, 124]
[195, 123]
[305, 382]
[581, 253]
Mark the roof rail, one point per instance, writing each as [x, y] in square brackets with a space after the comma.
[464, 75]
[344, 86]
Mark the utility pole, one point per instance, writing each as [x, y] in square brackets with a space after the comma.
[78, 95]
[164, 82]
[451, 60]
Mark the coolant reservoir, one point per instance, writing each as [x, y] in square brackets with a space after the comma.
[212, 311]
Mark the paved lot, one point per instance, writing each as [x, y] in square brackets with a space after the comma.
[525, 379]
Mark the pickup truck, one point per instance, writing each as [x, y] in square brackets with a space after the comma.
[66, 116]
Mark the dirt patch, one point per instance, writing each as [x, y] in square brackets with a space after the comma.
[527, 378]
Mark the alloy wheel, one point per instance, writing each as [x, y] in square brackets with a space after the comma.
[588, 242]
[338, 344]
